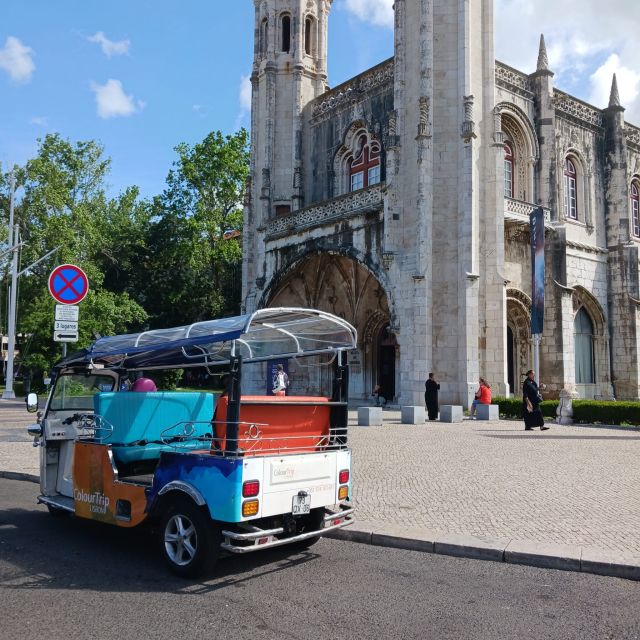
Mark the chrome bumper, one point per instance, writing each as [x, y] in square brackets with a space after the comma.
[255, 534]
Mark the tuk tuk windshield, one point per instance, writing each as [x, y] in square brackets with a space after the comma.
[76, 391]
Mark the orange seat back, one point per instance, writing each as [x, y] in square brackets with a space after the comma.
[270, 424]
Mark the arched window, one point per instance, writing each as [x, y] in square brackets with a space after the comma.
[508, 171]
[570, 190]
[264, 33]
[583, 333]
[286, 33]
[635, 209]
[308, 36]
[364, 168]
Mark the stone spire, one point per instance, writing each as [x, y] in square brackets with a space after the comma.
[543, 58]
[614, 98]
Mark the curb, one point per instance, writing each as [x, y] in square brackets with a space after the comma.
[563, 557]
[16, 475]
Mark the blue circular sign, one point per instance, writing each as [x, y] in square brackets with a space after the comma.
[68, 284]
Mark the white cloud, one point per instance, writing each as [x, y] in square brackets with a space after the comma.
[378, 12]
[113, 102]
[17, 60]
[628, 82]
[110, 47]
[40, 121]
[581, 35]
[244, 100]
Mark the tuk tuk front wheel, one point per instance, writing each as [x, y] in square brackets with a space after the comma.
[189, 540]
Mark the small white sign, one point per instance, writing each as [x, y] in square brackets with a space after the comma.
[65, 336]
[65, 325]
[67, 312]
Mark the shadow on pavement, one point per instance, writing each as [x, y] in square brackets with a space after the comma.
[39, 551]
[554, 437]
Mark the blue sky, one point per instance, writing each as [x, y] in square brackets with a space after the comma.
[141, 76]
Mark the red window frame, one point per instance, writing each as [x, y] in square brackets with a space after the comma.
[367, 158]
[635, 209]
[570, 190]
[509, 173]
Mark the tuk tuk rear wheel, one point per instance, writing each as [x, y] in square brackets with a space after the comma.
[189, 540]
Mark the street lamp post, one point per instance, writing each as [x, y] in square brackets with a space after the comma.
[14, 241]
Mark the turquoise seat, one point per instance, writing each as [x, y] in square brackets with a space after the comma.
[140, 419]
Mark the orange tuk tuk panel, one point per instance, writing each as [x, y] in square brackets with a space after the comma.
[289, 424]
[97, 493]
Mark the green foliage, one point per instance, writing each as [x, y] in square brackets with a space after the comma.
[64, 205]
[168, 379]
[597, 411]
[191, 272]
[154, 263]
[512, 407]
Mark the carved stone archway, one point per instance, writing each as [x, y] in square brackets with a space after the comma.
[346, 288]
[519, 321]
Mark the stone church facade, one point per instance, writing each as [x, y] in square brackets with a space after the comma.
[400, 201]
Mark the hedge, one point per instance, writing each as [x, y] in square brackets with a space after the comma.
[584, 411]
[512, 407]
[610, 412]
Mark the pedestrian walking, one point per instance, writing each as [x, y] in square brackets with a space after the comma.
[483, 396]
[431, 388]
[531, 400]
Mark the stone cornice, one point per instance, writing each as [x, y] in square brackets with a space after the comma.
[341, 208]
[577, 111]
[589, 248]
[345, 94]
[513, 80]
[632, 134]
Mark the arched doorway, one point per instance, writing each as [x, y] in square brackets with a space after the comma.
[511, 364]
[343, 286]
[386, 368]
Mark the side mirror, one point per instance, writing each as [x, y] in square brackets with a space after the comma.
[32, 403]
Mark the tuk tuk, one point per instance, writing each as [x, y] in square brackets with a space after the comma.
[212, 473]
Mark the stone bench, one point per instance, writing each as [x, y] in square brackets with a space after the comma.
[412, 415]
[487, 412]
[369, 416]
[450, 413]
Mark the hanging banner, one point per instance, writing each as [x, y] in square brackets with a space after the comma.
[536, 221]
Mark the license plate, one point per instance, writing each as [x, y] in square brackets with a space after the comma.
[301, 504]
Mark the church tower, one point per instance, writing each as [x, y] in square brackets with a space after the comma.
[289, 70]
[444, 217]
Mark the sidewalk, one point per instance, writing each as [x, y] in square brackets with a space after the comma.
[567, 498]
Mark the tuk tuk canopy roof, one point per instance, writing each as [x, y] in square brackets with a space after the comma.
[266, 334]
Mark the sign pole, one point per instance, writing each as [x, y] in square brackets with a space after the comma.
[14, 241]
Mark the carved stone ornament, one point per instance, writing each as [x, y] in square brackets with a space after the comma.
[468, 129]
[423, 126]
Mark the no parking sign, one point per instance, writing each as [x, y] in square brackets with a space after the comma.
[68, 284]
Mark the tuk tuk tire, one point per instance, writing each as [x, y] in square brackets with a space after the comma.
[316, 521]
[189, 540]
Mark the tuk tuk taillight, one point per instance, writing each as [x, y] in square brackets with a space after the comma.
[343, 476]
[251, 489]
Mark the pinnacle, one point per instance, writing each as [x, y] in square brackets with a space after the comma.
[614, 98]
[543, 58]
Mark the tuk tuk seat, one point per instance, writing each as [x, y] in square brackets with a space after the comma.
[139, 420]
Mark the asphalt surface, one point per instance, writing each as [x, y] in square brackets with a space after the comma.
[66, 578]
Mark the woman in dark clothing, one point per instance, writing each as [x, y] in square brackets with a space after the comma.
[431, 388]
[531, 400]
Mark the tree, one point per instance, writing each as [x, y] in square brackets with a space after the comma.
[192, 265]
[64, 205]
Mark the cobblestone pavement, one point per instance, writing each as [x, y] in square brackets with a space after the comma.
[492, 480]
[574, 485]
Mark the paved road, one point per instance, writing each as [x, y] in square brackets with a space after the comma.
[568, 485]
[65, 578]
